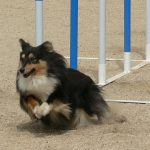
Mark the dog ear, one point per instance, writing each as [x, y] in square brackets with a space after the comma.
[24, 45]
[47, 46]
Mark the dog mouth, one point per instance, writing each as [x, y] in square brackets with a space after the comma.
[29, 73]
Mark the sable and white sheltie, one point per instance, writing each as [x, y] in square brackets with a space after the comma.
[51, 92]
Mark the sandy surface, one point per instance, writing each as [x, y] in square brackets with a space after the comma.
[17, 21]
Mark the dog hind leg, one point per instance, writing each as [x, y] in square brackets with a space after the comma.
[95, 102]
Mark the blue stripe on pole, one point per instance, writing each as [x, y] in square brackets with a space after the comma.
[127, 25]
[74, 34]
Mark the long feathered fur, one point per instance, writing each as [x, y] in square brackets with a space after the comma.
[69, 92]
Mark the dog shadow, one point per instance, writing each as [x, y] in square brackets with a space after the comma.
[40, 130]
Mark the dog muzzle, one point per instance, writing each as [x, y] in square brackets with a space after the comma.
[26, 74]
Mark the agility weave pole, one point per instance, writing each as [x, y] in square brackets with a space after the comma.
[102, 41]
[74, 34]
[127, 43]
[127, 50]
[39, 21]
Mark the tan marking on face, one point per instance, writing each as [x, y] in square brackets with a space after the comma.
[40, 68]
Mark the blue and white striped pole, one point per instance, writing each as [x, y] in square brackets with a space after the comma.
[39, 22]
[102, 44]
[127, 35]
[148, 30]
[74, 34]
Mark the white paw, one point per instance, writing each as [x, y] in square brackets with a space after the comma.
[42, 110]
[45, 108]
[37, 112]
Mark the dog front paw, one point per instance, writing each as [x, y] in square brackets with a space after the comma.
[42, 110]
[45, 108]
[37, 112]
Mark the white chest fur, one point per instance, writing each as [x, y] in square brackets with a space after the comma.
[40, 86]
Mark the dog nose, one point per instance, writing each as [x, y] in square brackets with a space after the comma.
[22, 70]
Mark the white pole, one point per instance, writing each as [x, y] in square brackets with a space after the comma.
[39, 21]
[102, 49]
[127, 36]
[127, 62]
[129, 101]
[148, 30]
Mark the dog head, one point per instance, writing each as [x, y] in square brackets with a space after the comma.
[36, 60]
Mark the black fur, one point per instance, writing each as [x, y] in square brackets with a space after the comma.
[74, 88]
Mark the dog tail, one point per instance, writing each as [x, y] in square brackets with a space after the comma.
[96, 103]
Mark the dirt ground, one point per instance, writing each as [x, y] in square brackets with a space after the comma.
[17, 132]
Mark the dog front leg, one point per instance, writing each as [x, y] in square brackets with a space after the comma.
[33, 105]
[42, 110]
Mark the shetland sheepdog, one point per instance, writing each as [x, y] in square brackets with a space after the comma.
[53, 93]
